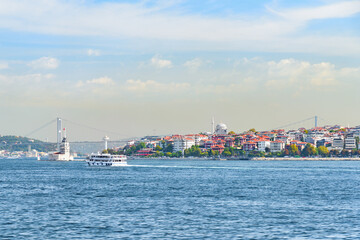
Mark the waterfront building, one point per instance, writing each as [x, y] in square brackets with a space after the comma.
[300, 145]
[249, 146]
[208, 144]
[277, 146]
[130, 143]
[240, 140]
[271, 135]
[219, 148]
[283, 138]
[350, 143]
[230, 142]
[197, 138]
[181, 143]
[338, 143]
[263, 144]
[144, 152]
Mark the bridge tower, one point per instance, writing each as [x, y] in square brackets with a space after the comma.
[59, 133]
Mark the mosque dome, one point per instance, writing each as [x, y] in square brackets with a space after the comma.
[221, 128]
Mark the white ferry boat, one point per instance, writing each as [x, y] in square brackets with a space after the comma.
[105, 159]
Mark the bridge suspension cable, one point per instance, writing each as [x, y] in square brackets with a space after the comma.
[40, 128]
[295, 123]
[95, 129]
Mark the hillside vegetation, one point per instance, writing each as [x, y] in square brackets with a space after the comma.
[18, 143]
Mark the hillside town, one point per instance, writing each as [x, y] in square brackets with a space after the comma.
[326, 141]
[335, 141]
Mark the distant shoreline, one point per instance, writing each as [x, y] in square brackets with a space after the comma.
[305, 159]
[260, 159]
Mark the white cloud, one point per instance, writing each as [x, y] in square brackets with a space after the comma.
[160, 63]
[265, 32]
[193, 64]
[44, 63]
[341, 9]
[4, 65]
[296, 74]
[25, 82]
[101, 81]
[93, 52]
[154, 86]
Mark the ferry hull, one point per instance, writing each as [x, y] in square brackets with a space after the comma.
[106, 164]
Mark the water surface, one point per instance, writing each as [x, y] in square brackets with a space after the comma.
[180, 199]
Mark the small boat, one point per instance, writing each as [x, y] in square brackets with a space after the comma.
[105, 159]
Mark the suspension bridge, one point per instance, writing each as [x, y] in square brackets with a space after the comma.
[83, 146]
[120, 137]
[300, 123]
[70, 123]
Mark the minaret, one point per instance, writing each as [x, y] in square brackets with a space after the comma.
[106, 139]
[212, 126]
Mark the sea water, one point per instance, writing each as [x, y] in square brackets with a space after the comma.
[180, 199]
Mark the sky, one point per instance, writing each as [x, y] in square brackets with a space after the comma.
[155, 67]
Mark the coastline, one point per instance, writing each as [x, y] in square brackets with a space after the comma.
[306, 159]
[260, 159]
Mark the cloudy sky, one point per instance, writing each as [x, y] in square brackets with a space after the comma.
[150, 67]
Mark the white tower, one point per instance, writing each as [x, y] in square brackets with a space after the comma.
[212, 126]
[106, 139]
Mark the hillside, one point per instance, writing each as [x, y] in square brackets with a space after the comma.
[18, 143]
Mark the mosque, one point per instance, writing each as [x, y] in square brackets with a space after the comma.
[221, 128]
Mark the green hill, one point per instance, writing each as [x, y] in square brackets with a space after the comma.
[18, 143]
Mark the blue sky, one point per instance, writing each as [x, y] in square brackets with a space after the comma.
[250, 64]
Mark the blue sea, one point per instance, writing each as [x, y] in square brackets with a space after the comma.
[180, 199]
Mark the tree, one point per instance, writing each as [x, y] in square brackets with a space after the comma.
[226, 153]
[357, 142]
[211, 152]
[309, 150]
[345, 153]
[294, 150]
[177, 154]
[169, 148]
[334, 152]
[140, 145]
[252, 130]
[105, 151]
[158, 148]
[231, 133]
[204, 154]
[323, 151]
[286, 152]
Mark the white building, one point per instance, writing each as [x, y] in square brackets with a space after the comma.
[277, 146]
[197, 138]
[350, 143]
[181, 143]
[64, 153]
[221, 129]
[262, 145]
[338, 143]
